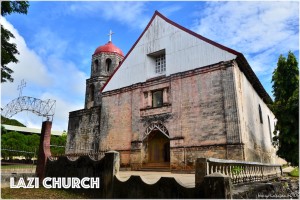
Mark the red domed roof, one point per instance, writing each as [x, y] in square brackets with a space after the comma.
[109, 47]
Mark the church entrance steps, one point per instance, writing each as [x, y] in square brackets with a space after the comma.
[163, 167]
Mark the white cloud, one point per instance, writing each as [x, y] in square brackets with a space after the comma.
[30, 66]
[48, 76]
[62, 109]
[167, 11]
[128, 13]
[46, 43]
[260, 30]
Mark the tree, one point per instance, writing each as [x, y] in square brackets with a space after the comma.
[286, 108]
[9, 50]
[12, 141]
[12, 122]
[59, 143]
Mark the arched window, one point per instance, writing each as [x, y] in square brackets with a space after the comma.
[108, 64]
[270, 129]
[96, 65]
[260, 114]
[92, 92]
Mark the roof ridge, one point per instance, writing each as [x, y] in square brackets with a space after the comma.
[247, 70]
[156, 13]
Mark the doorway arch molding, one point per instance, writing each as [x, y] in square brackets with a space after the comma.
[156, 126]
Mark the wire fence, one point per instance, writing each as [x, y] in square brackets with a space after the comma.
[22, 160]
[17, 160]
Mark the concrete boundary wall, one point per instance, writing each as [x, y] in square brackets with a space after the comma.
[207, 185]
[84, 166]
[165, 187]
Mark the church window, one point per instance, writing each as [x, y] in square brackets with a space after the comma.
[92, 92]
[108, 64]
[157, 62]
[260, 114]
[270, 129]
[157, 98]
[96, 65]
[160, 64]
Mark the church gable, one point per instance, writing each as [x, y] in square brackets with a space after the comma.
[166, 48]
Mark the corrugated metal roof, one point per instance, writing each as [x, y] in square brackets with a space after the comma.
[28, 130]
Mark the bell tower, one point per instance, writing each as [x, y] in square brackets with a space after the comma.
[105, 60]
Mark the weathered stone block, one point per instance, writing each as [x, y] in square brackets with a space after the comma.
[217, 186]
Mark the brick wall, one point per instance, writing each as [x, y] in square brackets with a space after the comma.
[201, 111]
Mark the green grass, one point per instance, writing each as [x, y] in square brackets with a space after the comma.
[39, 193]
[17, 166]
[295, 172]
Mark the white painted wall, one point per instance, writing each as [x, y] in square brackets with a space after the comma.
[255, 135]
[183, 52]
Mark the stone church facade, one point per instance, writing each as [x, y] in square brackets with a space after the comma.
[176, 96]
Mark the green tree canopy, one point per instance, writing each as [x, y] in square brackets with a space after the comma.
[59, 143]
[8, 49]
[286, 108]
[16, 144]
[12, 122]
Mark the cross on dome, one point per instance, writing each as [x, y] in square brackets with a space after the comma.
[110, 34]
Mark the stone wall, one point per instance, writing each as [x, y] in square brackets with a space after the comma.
[105, 169]
[199, 113]
[83, 131]
[256, 135]
[99, 75]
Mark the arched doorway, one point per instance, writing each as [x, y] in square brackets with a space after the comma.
[158, 148]
[157, 143]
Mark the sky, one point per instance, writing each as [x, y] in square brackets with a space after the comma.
[56, 40]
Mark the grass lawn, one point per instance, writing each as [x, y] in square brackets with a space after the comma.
[17, 166]
[39, 193]
[295, 172]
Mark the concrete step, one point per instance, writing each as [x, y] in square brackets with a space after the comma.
[161, 167]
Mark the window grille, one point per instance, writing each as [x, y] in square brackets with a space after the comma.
[160, 64]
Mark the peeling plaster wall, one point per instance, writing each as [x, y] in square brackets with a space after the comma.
[201, 117]
[255, 135]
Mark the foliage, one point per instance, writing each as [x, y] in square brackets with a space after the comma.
[295, 172]
[17, 144]
[236, 170]
[3, 130]
[59, 144]
[9, 50]
[12, 141]
[286, 108]
[12, 122]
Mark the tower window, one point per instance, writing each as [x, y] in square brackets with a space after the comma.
[157, 99]
[160, 64]
[96, 65]
[92, 92]
[108, 64]
[260, 114]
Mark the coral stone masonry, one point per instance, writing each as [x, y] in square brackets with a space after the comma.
[174, 97]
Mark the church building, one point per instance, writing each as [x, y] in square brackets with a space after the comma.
[174, 97]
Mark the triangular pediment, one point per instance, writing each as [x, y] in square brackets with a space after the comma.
[184, 50]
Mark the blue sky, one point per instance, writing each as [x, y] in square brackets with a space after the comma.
[56, 40]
